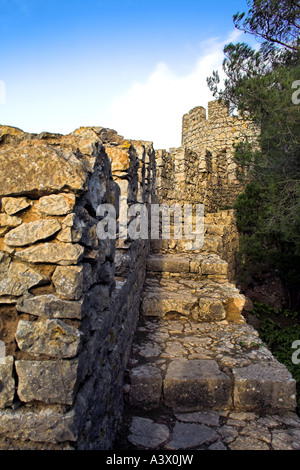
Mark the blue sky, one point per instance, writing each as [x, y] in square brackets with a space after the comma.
[133, 66]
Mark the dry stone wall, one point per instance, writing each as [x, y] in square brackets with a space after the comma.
[69, 301]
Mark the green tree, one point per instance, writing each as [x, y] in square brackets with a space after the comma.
[260, 83]
[274, 21]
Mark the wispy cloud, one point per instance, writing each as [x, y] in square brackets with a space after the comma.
[153, 109]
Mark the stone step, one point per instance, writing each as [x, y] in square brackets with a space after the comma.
[191, 385]
[204, 300]
[212, 243]
[197, 265]
[219, 366]
[199, 384]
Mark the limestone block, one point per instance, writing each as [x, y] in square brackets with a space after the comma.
[234, 306]
[106, 273]
[52, 337]
[53, 253]
[29, 233]
[71, 230]
[7, 383]
[45, 425]
[192, 385]
[83, 228]
[214, 229]
[195, 265]
[211, 309]
[56, 204]
[7, 222]
[168, 263]
[47, 381]
[214, 266]
[50, 306]
[120, 158]
[264, 387]
[16, 278]
[69, 280]
[212, 244]
[41, 170]
[161, 303]
[146, 386]
[12, 205]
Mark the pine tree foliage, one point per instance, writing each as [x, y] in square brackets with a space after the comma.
[265, 85]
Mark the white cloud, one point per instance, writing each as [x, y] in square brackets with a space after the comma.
[153, 110]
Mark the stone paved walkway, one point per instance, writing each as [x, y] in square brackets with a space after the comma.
[159, 413]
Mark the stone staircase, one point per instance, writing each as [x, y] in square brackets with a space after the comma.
[194, 354]
[194, 286]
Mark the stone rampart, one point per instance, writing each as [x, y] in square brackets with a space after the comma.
[214, 139]
[69, 301]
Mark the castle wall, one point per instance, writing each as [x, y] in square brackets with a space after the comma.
[69, 302]
[213, 139]
[203, 171]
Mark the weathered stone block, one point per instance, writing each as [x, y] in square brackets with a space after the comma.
[16, 278]
[234, 306]
[43, 170]
[214, 266]
[161, 303]
[50, 306]
[47, 381]
[7, 222]
[56, 204]
[212, 244]
[29, 233]
[71, 230]
[196, 384]
[46, 425]
[146, 386]
[264, 387]
[211, 309]
[69, 281]
[53, 253]
[7, 383]
[13, 205]
[52, 337]
[195, 263]
[168, 263]
[213, 229]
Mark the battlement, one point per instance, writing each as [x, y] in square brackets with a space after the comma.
[219, 132]
[197, 115]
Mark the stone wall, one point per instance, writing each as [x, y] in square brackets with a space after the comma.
[203, 171]
[69, 301]
[213, 139]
